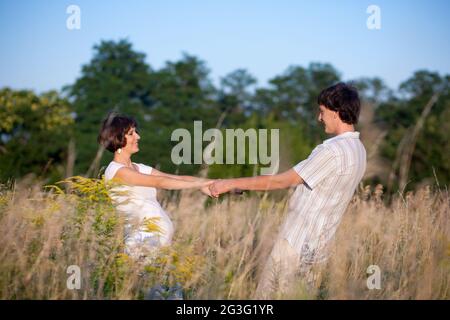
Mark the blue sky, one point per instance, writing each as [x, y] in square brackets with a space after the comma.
[38, 52]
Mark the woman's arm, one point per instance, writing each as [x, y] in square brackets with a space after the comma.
[283, 180]
[204, 189]
[131, 177]
[174, 176]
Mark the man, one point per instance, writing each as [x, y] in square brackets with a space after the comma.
[326, 182]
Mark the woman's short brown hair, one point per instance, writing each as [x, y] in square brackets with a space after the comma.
[113, 131]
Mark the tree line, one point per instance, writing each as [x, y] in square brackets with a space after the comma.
[53, 135]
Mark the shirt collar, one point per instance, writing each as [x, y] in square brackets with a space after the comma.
[348, 134]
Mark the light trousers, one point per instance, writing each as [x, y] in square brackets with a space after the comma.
[281, 271]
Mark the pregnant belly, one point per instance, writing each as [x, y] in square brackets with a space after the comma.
[151, 216]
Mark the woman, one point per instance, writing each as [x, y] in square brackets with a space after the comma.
[136, 195]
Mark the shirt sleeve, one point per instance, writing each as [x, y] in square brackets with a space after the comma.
[319, 165]
[145, 169]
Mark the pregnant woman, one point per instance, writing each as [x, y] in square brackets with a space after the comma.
[135, 196]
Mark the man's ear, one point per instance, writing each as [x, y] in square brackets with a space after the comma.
[336, 115]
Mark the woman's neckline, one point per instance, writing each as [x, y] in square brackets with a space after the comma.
[133, 163]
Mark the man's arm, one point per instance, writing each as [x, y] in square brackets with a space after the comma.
[283, 180]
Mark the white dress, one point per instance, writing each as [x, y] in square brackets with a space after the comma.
[140, 203]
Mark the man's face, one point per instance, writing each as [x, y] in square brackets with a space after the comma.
[328, 118]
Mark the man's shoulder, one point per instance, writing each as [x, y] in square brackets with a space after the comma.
[350, 154]
[343, 145]
[327, 148]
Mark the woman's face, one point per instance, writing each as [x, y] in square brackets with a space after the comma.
[132, 138]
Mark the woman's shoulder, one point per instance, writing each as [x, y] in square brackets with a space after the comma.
[112, 168]
[114, 164]
[144, 168]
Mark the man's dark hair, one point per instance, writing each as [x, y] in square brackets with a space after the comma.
[344, 99]
[113, 131]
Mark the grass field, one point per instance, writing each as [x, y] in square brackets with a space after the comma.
[220, 247]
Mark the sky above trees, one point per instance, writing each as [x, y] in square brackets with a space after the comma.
[264, 37]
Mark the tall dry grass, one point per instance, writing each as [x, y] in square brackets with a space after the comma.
[220, 249]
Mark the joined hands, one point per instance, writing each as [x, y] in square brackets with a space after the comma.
[216, 187]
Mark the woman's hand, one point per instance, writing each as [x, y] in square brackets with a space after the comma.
[220, 186]
[206, 188]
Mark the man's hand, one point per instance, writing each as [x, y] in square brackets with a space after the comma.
[220, 186]
[289, 178]
[206, 189]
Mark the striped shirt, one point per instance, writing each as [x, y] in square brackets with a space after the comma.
[331, 175]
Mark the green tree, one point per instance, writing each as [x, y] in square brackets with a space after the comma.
[292, 96]
[182, 93]
[401, 114]
[34, 130]
[373, 90]
[235, 97]
[117, 78]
